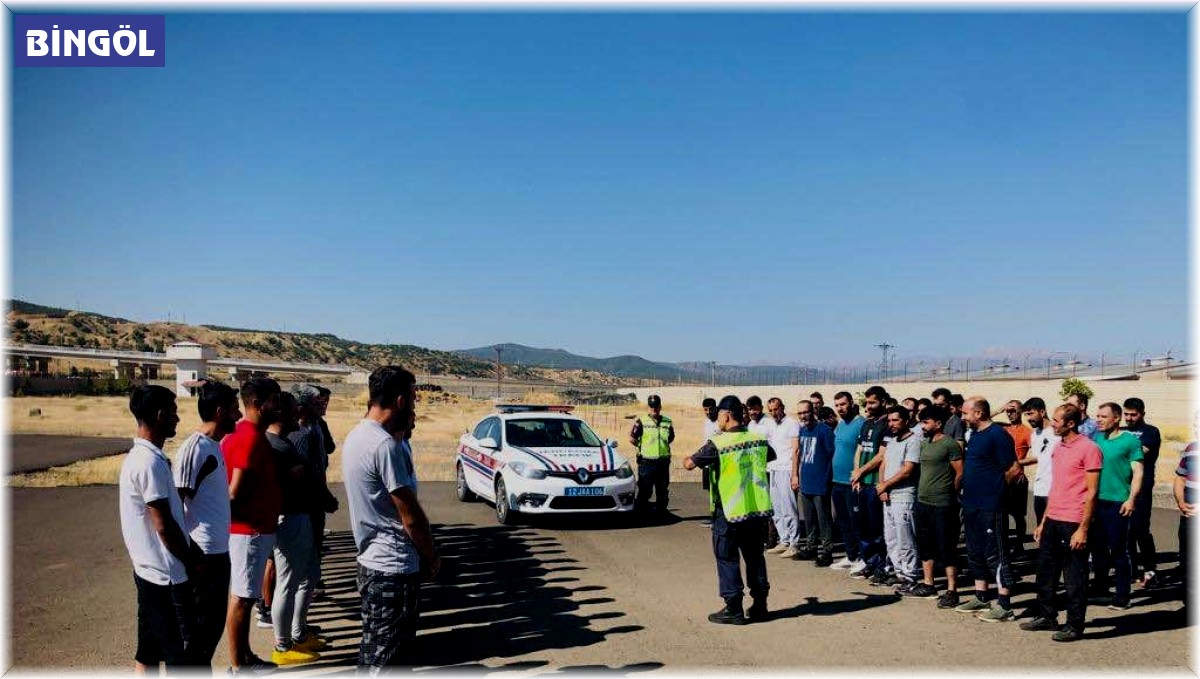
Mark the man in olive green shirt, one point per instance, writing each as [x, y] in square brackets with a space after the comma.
[937, 507]
[1120, 481]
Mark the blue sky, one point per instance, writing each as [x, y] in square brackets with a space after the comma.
[776, 186]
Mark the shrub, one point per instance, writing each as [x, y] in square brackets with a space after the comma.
[1073, 385]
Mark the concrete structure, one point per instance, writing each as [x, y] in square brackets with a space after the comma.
[192, 362]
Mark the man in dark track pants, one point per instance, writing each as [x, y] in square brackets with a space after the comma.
[1142, 550]
[652, 435]
[740, 501]
[1062, 533]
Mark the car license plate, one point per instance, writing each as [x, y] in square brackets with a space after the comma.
[584, 490]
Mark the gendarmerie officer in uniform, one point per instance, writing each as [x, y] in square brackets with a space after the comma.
[740, 500]
[652, 435]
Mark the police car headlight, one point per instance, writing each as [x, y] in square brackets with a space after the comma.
[625, 471]
[527, 471]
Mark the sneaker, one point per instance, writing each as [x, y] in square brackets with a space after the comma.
[311, 642]
[757, 611]
[1119, 604]
[864, 574]
[1040, 624]
[788, 553]
[858, 567]
[823, 561]
[903, 587]
[892, 580]
[921, 590]
[777, 549]
[972, 605]
[264, 619]
[948, 600]
[253, 665]
[1067, 634]
[844, 564]
[1150, 580]
[293, 656]
[805, 555]
[878, 577]
[996, 613]
[728, 616]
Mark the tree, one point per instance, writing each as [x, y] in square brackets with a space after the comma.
[1073, 385]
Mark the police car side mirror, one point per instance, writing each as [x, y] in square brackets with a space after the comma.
[489, 443]
[611, 443]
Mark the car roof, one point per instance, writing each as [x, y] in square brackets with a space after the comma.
[537, 415]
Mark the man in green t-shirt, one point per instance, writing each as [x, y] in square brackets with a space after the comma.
[1120, 481]
[937, 506]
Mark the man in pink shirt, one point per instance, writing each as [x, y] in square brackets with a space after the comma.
[1062, 533]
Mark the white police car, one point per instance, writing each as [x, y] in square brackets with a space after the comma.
[541, 460]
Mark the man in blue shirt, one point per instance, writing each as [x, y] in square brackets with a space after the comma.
[812, 472]
[989, 463]
[845, 442]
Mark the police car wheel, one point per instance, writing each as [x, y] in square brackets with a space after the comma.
[504, 514]
[460, 485]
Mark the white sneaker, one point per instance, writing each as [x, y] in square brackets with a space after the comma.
[789, 553]
[858, 567]
[843, 564]
[777, 549]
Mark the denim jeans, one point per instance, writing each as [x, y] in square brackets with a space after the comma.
[1109, 540]
[843, 512]
[868, 513]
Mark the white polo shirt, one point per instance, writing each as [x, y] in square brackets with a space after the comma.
[781, 435]
[146, 477]
[199, 465]
[710, 429]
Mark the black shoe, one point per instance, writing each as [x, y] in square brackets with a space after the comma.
[805, 555]
[1119, 604]
[728, 616]
[757, 611]
[921, 591]
[948, 600]
[824, 560]
[1040, 624]
[1067, 633]
[865, 574]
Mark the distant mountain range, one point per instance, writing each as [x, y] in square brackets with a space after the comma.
[636, 367]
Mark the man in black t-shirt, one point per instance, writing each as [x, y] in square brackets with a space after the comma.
[1142, 551]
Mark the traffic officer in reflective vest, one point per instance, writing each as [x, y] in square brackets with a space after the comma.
[652, 435]
[740, 500]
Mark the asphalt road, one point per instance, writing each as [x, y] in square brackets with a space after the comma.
[552, 596]
[35, 452]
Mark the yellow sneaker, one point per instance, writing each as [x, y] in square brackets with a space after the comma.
[311, 642]
[293, 656]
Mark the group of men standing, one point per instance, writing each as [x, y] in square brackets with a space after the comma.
[902, 483]
[248, 487]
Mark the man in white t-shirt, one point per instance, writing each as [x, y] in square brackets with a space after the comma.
[152, 528]
[1042, 442]
[783, 433]
[203, 485]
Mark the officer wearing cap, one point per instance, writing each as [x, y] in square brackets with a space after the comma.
[652, 435]
[740, 500]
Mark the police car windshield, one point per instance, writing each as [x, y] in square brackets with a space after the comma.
[549, 433]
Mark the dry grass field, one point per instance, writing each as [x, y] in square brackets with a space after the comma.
[439, 425]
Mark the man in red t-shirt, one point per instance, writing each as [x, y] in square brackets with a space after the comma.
[255, 500]
[1062, 534]
[1016, 494]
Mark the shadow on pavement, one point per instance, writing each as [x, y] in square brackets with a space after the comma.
[814, 606]
[503, 592]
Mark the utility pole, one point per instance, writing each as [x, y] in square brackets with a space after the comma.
[883, 364]
[498, 349]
